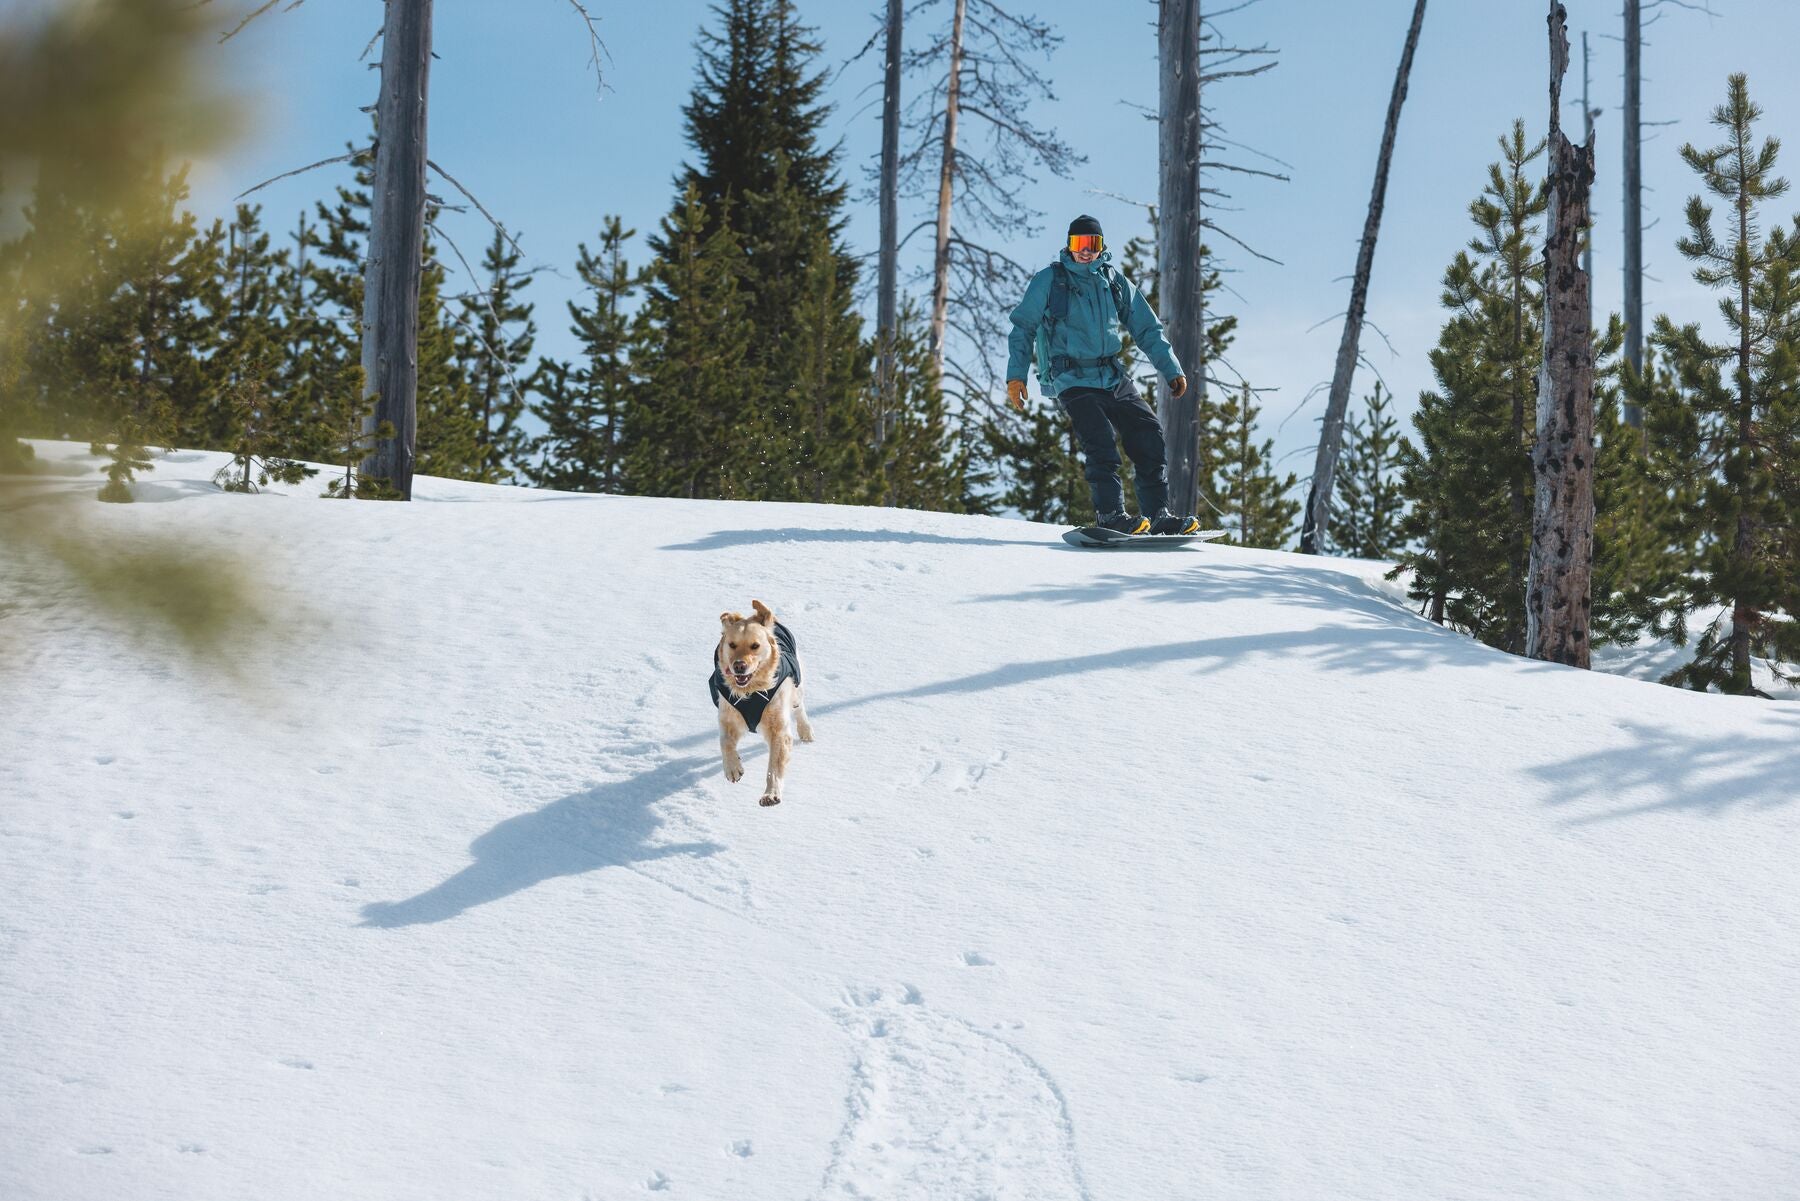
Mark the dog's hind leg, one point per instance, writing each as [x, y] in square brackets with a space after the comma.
[802, 726]
[731, 728]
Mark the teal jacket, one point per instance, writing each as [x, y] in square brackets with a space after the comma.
[1091, 330]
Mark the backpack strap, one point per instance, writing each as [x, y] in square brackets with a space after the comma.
[1056, 310]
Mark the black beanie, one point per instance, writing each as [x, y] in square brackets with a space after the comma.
[1084, 224]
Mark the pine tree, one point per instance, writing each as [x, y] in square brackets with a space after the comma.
[449, 441]
[1044, 480]
[150, 322]
[923, 465]
[304, 368]
[1468, 478]
[1365, 518]
[1734, 424]
[825, 364]
[756, 113]
[1637, 554]
[110, 340]
[1262, 502]
[696, 429]
[584, 404]
[754, 120]
[497, 333]
[244, 377]
[345, 416]
[258, 419]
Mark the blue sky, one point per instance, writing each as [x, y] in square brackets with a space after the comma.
[516, 117]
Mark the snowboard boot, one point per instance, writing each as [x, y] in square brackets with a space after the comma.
[1124, 523]
[1166, 522]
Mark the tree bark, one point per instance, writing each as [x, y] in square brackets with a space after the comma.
[940, 275]
[1180, 268]
[1331, 435]
[1634, 200]
[1588, 113]
[1558, 598]
[391, 279]
[887, 286]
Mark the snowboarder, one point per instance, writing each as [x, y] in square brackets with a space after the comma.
[1074, 310]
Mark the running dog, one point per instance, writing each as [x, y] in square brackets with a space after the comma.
[756, 681]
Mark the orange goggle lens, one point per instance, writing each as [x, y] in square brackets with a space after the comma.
[1081, 242]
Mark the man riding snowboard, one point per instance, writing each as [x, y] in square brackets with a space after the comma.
[1074, 311]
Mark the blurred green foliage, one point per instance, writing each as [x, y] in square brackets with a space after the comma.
[94, 96]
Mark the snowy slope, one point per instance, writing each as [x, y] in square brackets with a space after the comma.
[1111, 876]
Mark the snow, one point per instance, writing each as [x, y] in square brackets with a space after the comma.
[1216, 873]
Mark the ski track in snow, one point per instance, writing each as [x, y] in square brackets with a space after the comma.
[940, 1109]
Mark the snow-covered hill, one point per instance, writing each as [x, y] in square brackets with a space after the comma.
[1111, 876]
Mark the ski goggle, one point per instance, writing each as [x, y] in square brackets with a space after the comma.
[1083, 242]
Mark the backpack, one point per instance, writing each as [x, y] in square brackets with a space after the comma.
[1056, 311]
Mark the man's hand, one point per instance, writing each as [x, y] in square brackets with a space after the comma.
[1015, 394]
[1178, 385]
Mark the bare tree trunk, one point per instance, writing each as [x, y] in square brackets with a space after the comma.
[1588, 113]
[1634, 199]
[887, 287]
[940, 275]
[1558, 598]
[1331, 435]
[390, 349]
[1180, 269]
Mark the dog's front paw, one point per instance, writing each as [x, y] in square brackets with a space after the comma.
[769, 798]
[734, 769]
[805, 730]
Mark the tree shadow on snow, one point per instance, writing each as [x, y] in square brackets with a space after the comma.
[1710, 776]
[722, 539]
[611, 825]
[1309, 587]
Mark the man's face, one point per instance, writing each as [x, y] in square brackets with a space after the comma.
[1085, 256]
[1085, 248]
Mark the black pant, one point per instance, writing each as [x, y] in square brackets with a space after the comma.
[1102, 418]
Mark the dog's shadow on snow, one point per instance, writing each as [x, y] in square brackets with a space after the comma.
[611, 825]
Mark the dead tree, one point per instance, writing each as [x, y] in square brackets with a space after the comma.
[1588, 114]
[979, 85]
[1633, 171]
[1331, 434]
[1558, 597]
[1179, 269]
[940, 269]
[1186, 64]
[390, 326]
[887, 286]
[1632, 166]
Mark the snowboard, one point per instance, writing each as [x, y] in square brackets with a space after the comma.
[1100, 536]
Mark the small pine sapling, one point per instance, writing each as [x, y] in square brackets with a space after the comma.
[257, 423]
[347, 411]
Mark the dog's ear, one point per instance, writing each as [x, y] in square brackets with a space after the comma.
[763, 613]
[728, 617]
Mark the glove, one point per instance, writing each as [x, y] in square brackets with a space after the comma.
[1178, 386]
[1015, 393]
